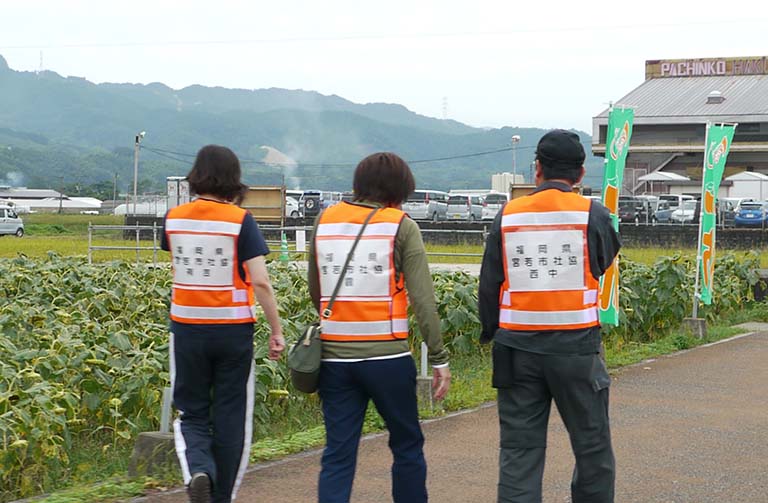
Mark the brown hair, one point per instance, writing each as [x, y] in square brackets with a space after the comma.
[217, 172]
[383, 178]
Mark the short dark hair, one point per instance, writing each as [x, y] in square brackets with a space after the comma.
[383, 178]
[550, 172]
[217, 172]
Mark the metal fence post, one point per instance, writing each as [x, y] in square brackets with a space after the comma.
[138, 242]
[90, 243]
[154, 244]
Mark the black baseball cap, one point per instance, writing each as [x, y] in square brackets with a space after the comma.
[561, 149]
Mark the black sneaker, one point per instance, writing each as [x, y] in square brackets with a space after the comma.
[199, 489]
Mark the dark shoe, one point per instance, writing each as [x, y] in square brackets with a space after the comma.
[199, 489]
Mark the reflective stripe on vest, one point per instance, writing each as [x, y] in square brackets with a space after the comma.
[548, 282]
[207, 286]
[548, 317]
[371, 304]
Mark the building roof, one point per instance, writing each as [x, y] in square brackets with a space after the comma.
[55, 202]
[748, 176]
[679, 99]
[24, 193]
[662, 176]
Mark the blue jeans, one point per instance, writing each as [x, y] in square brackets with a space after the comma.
[345, 389]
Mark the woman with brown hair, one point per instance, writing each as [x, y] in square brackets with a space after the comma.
[219, 272]
[366, 354]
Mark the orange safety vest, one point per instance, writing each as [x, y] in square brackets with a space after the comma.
[548, 282]
[207, 286]
[371, 304]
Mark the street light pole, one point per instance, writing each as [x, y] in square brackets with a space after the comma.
[136, 144]
[515, 141]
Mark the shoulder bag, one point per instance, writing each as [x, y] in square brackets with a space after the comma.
[306, 353]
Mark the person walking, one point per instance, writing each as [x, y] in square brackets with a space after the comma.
[537, 297]
[366, 354]
[219, 271]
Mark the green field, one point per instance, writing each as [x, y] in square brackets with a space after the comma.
[67, 235]
[62, 322]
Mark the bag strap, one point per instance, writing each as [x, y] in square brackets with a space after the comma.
[327, 311]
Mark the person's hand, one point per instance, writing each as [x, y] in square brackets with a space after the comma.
[441, 381]
[276, 346]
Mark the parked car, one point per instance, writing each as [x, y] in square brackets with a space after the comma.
[310, 203]
[650, 202]
[752, 214]
[688, 213]
[492, 204]
[465, 207]
[633, 210]
[292, 207]
[663, 213]
[727, 207]
[675, 200]
[10, 223]
[426, 205]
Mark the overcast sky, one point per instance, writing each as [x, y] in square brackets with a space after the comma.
[543, 64]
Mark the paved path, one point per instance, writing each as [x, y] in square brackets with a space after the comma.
[689, 428]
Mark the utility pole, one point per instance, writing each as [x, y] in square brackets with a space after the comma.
[61, 194]
[114, 191]
[515, 141]
[136, 144]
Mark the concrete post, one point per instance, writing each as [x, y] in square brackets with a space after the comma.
[697, 327]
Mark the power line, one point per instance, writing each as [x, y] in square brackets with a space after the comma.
[170, 153]
[158, 150]
[186, 161]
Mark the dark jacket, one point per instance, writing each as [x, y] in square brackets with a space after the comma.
[603, 245]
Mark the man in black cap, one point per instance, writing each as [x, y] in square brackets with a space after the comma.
[538, 300]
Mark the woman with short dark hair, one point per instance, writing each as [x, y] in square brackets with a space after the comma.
[366, 353]
[219, 272]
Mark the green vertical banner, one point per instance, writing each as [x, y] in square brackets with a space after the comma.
[616, 150]
[717, 146]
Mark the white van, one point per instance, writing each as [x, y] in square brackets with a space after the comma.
[493, 202]
[426, 205]
[10, 223]
[675, 200]
[465, 207]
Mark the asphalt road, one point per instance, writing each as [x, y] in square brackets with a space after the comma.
[691, 427]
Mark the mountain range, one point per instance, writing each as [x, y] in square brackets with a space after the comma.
[65, 132]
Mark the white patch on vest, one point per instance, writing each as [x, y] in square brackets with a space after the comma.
[352, 230]
[546, 218]
[551, 260]
[202, 259]
[240, 296]
[368, 273]
[211, 226]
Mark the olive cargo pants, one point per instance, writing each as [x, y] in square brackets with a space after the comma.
[527, 383]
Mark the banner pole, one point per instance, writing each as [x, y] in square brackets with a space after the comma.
[701, 222]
